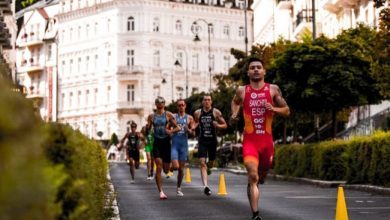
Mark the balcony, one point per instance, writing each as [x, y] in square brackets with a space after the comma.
[124, 108]
[31, 66]
[36, 96]
[129, 72]
[336, 6]
[284, 4]
[30, 40]
[303, 22]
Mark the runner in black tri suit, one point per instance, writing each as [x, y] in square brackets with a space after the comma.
[132, 139]
[208, 119]
[162, 121]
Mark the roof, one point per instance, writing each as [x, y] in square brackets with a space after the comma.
[39, 5]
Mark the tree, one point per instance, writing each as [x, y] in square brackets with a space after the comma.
[114, 139]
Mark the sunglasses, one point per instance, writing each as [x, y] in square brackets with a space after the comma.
[180, 105]
[160, 102]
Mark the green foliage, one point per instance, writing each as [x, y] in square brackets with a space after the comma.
[369, 160]
[28, 184]
[83, 194]
[363, 160]
[114, 139]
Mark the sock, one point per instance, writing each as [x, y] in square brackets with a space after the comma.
[255, 214]
[178, 188]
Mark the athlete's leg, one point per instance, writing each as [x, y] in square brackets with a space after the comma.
[132, 166]
[158, 162]
[180, 174]
[252, 189]
[148, 162]
[203, 170]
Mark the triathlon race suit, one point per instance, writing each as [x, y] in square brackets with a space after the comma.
[180, 139]
[132, 146]
[162, 141]
[207, 136]
[149, 142]
[258, 144]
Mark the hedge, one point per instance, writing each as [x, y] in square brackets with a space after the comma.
[363, 160]
[48, 171]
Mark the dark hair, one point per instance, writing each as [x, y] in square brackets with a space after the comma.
[255, 59]
[133, 124]
[181, 100]
[159, 99]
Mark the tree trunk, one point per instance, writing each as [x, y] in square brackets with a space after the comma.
[334, 123]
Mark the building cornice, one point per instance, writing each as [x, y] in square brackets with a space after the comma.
[181, 7]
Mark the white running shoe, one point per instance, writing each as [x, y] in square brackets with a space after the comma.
[132, 181]
[180, 193]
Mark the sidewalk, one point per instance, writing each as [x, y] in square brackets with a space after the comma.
[322, 183]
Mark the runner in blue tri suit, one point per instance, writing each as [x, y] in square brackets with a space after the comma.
[179, 153]
[161, 121]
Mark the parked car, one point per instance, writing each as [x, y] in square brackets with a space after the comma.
[229, 153]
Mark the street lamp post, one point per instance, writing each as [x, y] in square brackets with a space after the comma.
[196, 30]
[177, 63]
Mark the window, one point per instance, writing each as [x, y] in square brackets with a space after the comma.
[179, 92]
[95, 96]
[212, 62]
[96, 61]
[130, 93]
[108, 25]
[226, 62]
[62, 101]
[70, 99]
[195, 62]
[79, 32]
[108, 94]
[78, 98]
[156, 25]
[130, 58]
[87, 31]
[226, 30]
[179, 57]
[156, 90]
[70, 66]
[241, 32]
[96, 27]
[79, 65]
[87, 64]
[130, 23]
[211, 27]
[49, 52]
[63, 67]
[241, 4]
[63, 36]
[156, 58]
[108, 59]
[178, 26]
[70, 34]
[87, 97]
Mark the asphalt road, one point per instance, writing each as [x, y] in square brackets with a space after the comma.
[280, 200]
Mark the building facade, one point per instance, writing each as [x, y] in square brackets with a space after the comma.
[7, 37]
[116, 56]
[36, 55]
[290, 19]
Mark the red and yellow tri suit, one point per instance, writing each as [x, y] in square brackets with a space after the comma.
[258, 144]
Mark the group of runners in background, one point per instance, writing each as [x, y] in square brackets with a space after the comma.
[166, 134]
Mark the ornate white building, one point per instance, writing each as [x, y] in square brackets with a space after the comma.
[36, 52]
[292, 18]
[116, 56]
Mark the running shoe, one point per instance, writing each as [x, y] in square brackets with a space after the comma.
[169, 174]
[207, 191]
[180, 193]
[132, 181]
[208, 171]
[163, 196]
[257, 218]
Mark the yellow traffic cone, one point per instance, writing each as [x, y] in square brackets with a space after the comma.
[154, 167]
[188, 175]
[222, 185]
[341, 207]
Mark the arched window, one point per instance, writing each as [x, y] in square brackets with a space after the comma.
[156, 25]
[156, 58]
[178, 26]
[130, 23]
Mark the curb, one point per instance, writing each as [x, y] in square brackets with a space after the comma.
[114, 202]
[321, 183]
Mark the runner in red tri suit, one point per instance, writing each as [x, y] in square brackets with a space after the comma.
[260, 102]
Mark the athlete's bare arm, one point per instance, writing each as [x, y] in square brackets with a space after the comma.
[191, 125]
[237, 101]
[280, 105]
[220, 121]
[196, 118]
[172, 123]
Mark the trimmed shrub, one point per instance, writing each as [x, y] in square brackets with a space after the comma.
[28, 184]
